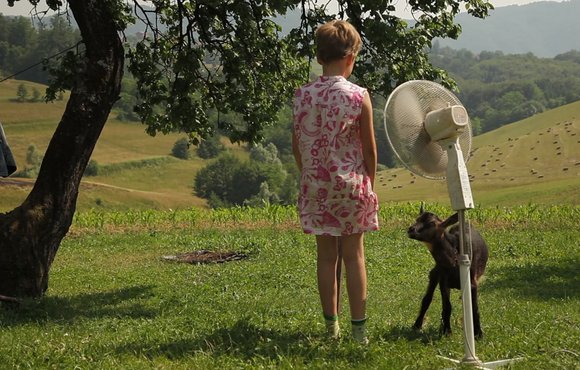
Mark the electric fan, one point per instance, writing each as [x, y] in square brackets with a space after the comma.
[430, 133]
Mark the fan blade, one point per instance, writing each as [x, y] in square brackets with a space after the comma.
[407, 108]
[429, 156]
[403, 120]
[425, 154]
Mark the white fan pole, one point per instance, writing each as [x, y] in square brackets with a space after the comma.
[457, 178]
[461, 199]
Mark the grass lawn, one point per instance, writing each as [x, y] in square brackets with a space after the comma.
[113, 303]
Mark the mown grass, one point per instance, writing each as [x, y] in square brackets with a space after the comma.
[114, 304]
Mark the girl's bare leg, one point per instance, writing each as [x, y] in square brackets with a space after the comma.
[327, 261]
[356, 274]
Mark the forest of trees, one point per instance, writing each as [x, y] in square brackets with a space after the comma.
[24, 44]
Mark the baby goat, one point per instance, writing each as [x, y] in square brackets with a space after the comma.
[444, 247]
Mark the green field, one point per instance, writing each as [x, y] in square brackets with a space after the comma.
[114, 303]
[534, 160]
[165, 184]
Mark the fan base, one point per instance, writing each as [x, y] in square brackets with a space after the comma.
[482, 365]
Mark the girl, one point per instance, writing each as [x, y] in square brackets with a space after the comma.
[334, 147]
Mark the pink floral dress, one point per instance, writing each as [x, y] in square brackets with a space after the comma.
[336, 197]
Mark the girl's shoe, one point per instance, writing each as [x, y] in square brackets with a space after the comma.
[333, 329]
[359, 332]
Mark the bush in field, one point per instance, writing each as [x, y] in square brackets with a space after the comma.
[229, 181]
[181, 149]
[21, 93]
[33, 157]
[264, 198]
[215, 180]
[215, 202]
[210, 148]
[36, 95]
[92, 168]
[27, 173]
[265, 154]
[33, 161]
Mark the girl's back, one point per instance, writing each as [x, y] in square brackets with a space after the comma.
[335, 194]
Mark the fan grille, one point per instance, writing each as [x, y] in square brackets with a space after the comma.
[404, 115]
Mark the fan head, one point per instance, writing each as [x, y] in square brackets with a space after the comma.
[405, 113]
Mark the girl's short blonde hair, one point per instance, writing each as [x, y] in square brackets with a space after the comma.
[335, 40]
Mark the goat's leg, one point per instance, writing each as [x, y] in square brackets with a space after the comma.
[433, 280]
[446, 310]
[475, 310]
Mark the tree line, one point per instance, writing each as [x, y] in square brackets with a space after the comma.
[498, 89]
[24, 44]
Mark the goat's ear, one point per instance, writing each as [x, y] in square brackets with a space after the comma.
[422, 209]
[452, 220]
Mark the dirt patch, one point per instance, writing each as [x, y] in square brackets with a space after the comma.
[205, 256]
[16, 182]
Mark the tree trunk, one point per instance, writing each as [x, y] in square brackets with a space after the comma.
[30, 235]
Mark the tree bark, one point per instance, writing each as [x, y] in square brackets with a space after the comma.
[30, 235]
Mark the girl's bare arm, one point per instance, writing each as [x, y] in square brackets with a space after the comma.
[295, 150]
[367, 133]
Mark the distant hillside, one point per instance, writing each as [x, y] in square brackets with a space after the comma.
[536, 160]
[545, 29]
[499, 88]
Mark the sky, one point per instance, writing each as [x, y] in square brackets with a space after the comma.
[23, 7]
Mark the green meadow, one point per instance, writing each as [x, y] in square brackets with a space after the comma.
[115, 302]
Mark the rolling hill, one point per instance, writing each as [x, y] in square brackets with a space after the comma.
[151, 179]
[535, 160]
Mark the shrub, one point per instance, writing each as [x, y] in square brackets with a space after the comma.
[21, 93]
[216, 178]
[92, 168]
[229, 182]
[210, 148]
[181, 149]
[265, 154]
[33, 158]
[36, 95]
[27, 173]
[264, 198]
